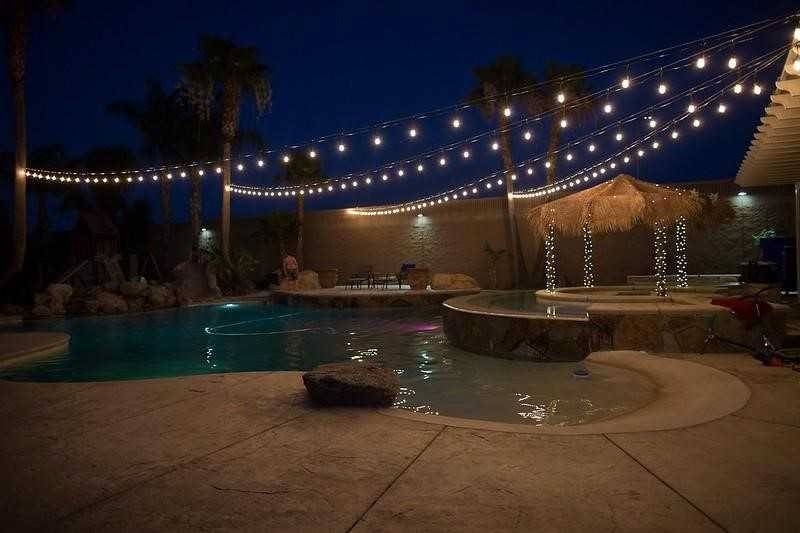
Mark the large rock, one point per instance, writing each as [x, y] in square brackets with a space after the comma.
[360, 384]
[160, 296]
[453, 281]
[307, 280]
[110, 303]
[40, 311]
[59, 293]
[133, 288]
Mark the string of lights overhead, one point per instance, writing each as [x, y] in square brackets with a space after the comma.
[637, 148]
[723, 40]
[528, 165]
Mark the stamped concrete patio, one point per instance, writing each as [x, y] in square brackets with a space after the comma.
[247, 452]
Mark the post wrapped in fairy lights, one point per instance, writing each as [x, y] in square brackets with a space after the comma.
[681, 273]
[588, 250]
[550, 257]
[661, 257]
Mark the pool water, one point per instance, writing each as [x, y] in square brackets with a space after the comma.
[435, 377]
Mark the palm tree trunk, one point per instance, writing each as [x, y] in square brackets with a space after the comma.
[225, 215]
[301, 217]
[552, 145]
[166, 223]
[195, 209]
[511, 219]
[16, 72]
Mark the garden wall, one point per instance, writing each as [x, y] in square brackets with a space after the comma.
[451, 239]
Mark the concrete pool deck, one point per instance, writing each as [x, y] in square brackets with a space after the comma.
[247, 451]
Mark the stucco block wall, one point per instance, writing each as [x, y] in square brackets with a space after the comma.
[451, 239]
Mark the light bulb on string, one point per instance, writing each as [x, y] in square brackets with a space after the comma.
[528, 135]
[420, 168]
[592, 147]
[691, 108]
[608, 108]
[662, 88]
[569, 157]
[732, 62]
[507, 111]
[218, 170]
[547, 164]
[342, 147]
[495, 145]
[442, 161]
[561, 98]
[285, 158]
[721, 108]
[260, 163]
[625, 83]
[312, 154]
[377, 140]
[530, 171]
[737, 88]
[700, 63]
[465, 154]
[240, 167]
[412, 132]
[756, 88]
[563, 123]
[674, 134]
[696, 123]
[619, 136]
[456, 123]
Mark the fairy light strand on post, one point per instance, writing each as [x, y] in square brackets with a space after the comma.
[661, 258]
[588, 253]
[550, 257]
[682, 279]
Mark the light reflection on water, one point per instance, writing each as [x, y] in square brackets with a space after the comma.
[436, 378]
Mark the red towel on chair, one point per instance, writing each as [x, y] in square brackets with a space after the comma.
[748, 310]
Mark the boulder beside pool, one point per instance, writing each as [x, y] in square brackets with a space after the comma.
[352, 384]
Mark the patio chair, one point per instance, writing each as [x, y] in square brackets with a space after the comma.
[364, 275]
[383, 280]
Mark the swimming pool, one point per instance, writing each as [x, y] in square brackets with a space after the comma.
[436, 378]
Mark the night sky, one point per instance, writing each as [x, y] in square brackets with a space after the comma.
[343, 65]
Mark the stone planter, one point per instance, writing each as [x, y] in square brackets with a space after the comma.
[328, 278]
[418, 278]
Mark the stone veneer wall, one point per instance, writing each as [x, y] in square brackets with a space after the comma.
[451, 239]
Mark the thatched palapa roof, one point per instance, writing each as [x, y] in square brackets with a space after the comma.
[616, 206]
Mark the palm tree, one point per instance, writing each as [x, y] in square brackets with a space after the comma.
[161, 120]
[493, 94]
[235, 73]
[567, 79]
[15, 15]
[302, 169]
[276, 228]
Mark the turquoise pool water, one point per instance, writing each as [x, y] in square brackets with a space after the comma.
[436, 378]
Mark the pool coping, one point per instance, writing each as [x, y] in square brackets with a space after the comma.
[29, 345]
[461, 303]
[688, 394]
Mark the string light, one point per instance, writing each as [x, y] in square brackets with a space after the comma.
[737, 88]
[412, 132]
[588, 249]
[660, 258]
[608, 108]
[377, 140]
[342, 147]
[625, 83]
[681, 274]
[456, 123]
[561, 98]
[528, 135]
[662, 88]
[507, 111]
[563, 123]
[701, 62]
[495, 145]
[691, 108]
[550, 257]
[756, 89]
[732, 62]
[721, 108]
[286, 159]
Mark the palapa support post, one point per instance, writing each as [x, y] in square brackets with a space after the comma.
[681, 275]
[661, 258]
